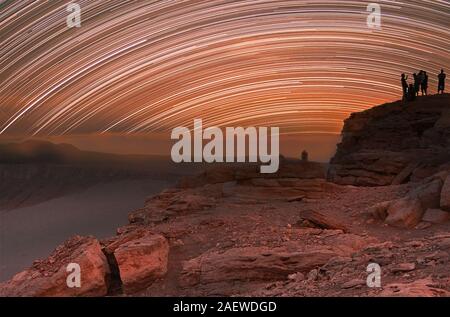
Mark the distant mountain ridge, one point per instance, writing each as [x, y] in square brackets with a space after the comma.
[34, 171]
[36, 151]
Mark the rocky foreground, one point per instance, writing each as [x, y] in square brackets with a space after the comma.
[301, 232]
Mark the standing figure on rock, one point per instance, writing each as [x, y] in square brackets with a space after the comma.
[411, 93]
[441, 82]
[421, 74]
[305, 156]
[424, 85]
[405, 86]
[416, 83]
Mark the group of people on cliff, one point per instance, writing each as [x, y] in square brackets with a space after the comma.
[411, 90]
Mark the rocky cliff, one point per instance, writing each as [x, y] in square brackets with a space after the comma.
[394, 143]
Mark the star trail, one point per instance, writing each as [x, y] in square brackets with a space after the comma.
[143, 66]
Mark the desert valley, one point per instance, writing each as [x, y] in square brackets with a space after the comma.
[311, 229]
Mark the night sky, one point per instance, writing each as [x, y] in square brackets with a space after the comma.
[148, 66]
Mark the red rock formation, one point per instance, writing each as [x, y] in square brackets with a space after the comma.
[133, 260]
[241, 173]
[266, 264]
[48, 278]
[141, 261]
[393, 143]
[411, 209]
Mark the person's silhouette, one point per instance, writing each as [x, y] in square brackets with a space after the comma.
[405, 86]
[305, 156]
[420, 77]
[441, 82]
[416, 83]
[411, 93]
[424, 84]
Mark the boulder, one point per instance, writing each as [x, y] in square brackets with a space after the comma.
[436, 216]
[251, 263]
[141, 261]
[405, 213]
[379, 210]
[428, 194]
[314, 219]
[403, 267]
[174, 201]
[408, 212]
[260, 263]
[48, 278]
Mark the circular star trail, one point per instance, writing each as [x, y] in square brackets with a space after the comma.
[143, 66]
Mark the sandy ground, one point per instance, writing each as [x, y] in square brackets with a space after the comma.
[33, 232]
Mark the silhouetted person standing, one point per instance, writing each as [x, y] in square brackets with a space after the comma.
[425, 84]
[416, 83]
[305, 156]
[411, 93]
[405, 86]
[441, 83]
[420, 78]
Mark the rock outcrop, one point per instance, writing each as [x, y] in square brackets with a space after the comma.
[256, 264]
[295, 181]
[423, 202]
[126, 263]
[245, 173]
[140, 257]
[394, 143]
[49, 277]
[268, 264]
